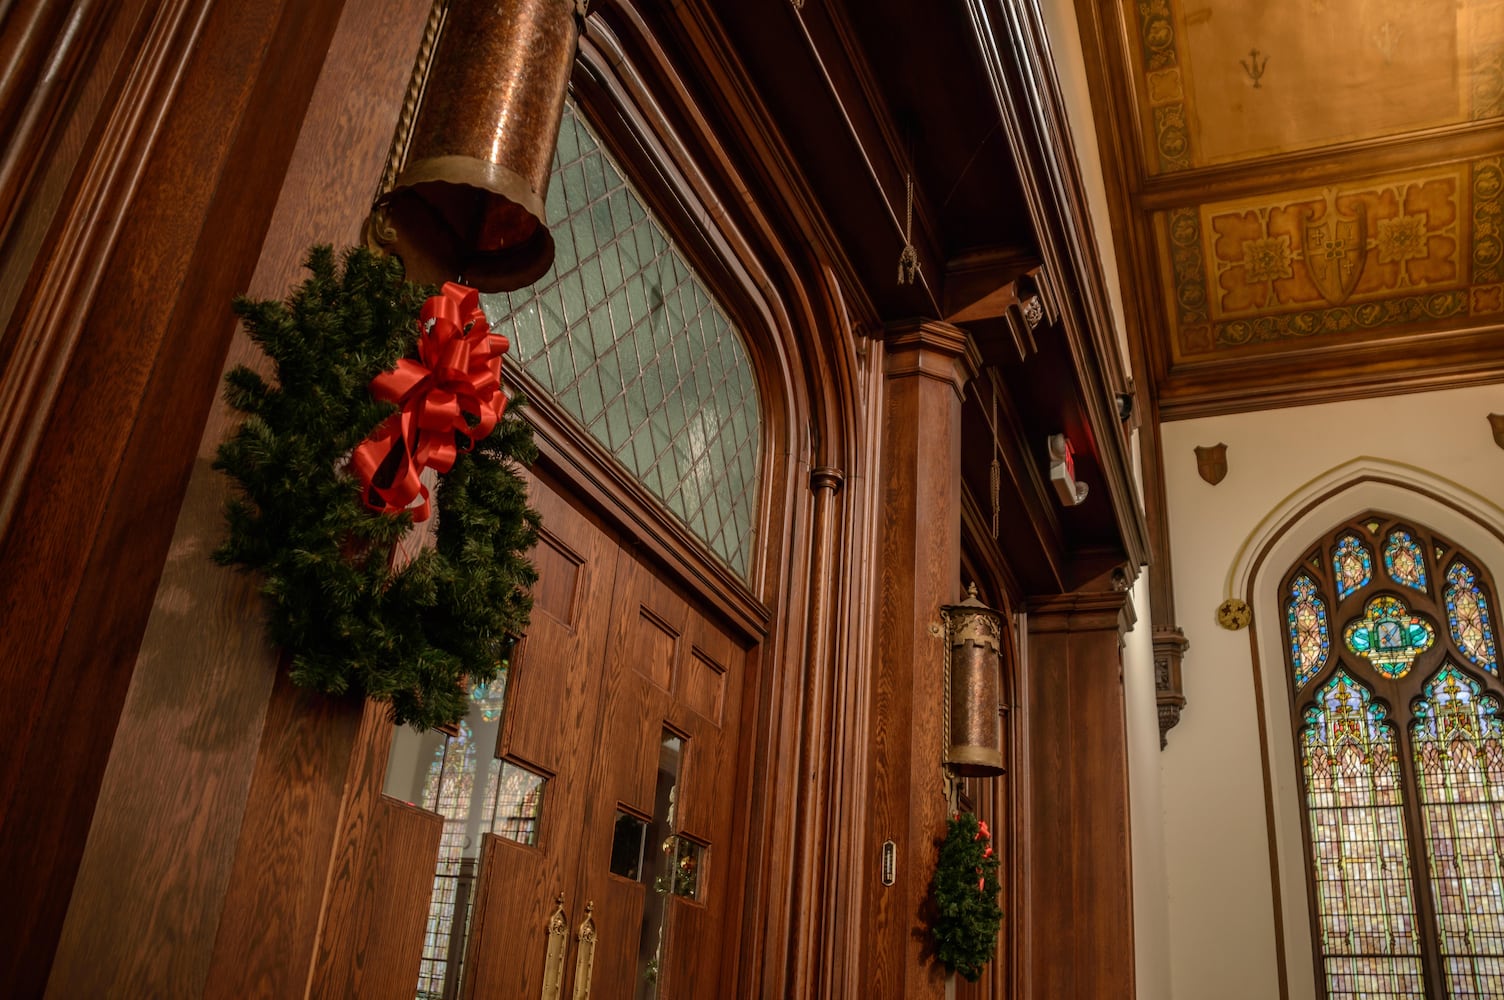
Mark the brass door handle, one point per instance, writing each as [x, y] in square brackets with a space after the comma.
[584, 962]
[558, 943]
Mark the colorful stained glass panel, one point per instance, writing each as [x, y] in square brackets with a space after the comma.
[1305, 620]
[1404, 561]
[1467, 617]
[1353, 565]
[1458, 744]
[1369, 940]
[1389, 636]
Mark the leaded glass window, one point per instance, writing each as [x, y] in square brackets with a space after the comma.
[1353, 565]
[1306, 620]
[629, 341]
[1402, 764]
[1459, 768]
[1360, 855]
[1404, 561]
[1467, 617]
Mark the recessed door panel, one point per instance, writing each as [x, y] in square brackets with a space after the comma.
[628, 697]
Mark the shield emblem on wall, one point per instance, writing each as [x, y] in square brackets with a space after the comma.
[1211, 462]
[1335, 249]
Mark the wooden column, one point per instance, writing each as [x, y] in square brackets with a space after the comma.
[927, 366]
[1078, 923]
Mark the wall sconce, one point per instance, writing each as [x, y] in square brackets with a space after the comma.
[471, 177]
[973, 655]
[1063, 471]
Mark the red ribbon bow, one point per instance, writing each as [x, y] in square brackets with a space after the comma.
[450, 398]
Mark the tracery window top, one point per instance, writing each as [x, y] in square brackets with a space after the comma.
[1401, 754]
[629, 341]
[1389, 636]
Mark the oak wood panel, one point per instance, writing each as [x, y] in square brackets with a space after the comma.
[125, 421]
[1080, 919]
[370, 942]
[552, 724]
[187, 742]
[266, 937]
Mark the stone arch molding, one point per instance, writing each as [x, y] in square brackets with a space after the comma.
[1467, 518]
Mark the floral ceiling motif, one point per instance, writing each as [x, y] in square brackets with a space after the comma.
[1269, 261]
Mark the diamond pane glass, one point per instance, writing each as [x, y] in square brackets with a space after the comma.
[1459, 765]
[1369, 942]
[627, 339]
[1305, 619]
[1353, 565]
[1389, 636]
[1404, 561]
[1467, 617]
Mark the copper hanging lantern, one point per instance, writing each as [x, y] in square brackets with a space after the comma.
[468, 183]
[974, 655]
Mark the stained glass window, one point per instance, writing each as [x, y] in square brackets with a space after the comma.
[1306, 621]
[626, 337]
[1389, 636]
[1467, 617]
[1361, 859]
[1381, 917]
[1404, 561]
[1353, 565]
[1459, 767]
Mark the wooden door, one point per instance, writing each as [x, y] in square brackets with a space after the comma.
[626, 698]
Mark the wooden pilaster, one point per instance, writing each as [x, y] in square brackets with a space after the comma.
[927, 367]
[1078, 861]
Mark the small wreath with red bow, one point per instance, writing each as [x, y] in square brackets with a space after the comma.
[377, 379]
[965, 889]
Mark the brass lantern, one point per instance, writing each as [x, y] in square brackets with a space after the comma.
[974, 656]
[467, 199]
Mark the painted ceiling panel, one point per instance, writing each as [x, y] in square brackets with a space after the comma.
[1318, 202]
[1277, 270]
[1227, 80]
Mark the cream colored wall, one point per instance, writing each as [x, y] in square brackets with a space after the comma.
[1292, 474]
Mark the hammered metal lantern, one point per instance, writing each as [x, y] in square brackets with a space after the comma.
[471, 178]
[974, 655]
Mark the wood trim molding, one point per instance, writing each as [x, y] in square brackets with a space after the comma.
[932, 349]
[1016, 51]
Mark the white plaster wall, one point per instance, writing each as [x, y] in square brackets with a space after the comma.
[1151, 916]
[1219, 874]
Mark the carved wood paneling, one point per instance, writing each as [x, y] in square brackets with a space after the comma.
[1079, 927]
[115, 425]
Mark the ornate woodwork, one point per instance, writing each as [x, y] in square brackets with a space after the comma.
[775, 143]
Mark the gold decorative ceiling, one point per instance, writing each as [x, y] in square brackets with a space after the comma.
[1312, 180]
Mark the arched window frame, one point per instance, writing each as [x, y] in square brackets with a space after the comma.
[1395, 694]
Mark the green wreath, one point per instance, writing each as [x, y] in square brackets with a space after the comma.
[352, 624]
[965, 890]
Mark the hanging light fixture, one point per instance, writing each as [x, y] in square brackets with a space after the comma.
[974, 657]
[468, 182]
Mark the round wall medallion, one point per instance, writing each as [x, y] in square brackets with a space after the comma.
[1234, 614]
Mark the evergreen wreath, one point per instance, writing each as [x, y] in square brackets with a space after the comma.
[351, 623]
[965, 889]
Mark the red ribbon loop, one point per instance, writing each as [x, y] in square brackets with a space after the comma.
[449, 398]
